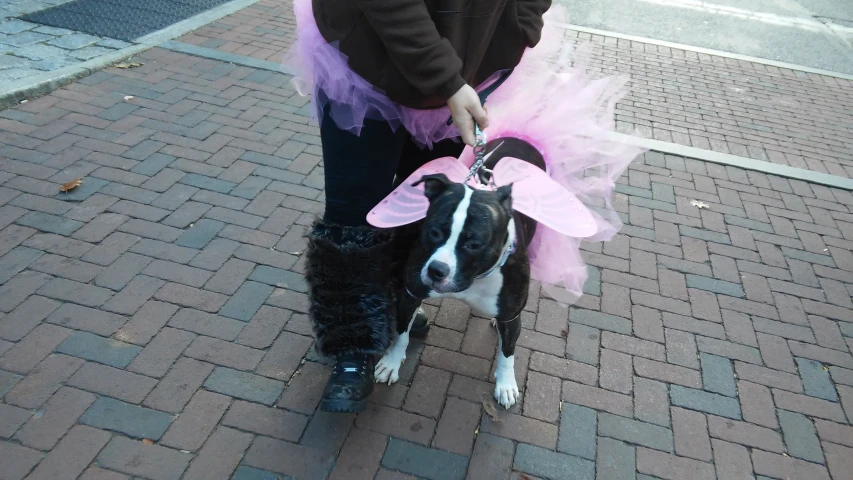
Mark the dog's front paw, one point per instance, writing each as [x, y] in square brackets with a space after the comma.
[388, 368]
[506, 389]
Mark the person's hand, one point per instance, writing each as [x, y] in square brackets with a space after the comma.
[465, 108]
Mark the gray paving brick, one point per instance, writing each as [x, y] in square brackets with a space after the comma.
[800, 436]
[578, 427]
[7, 381]
[16, 260]
[616, 460]
[153, 164]
[718, 375]
[207, 183]
[250, 187]
[122, 271]
[113, 43]
[424, 462]
[74, 41]
[89, 53]
[653, 204]
[713, 285]
[810, 257]
[592, 286]
[244, 385]
[633, 431]
[600, 320]
[663, 192]
[14, 25]
[266, 160]
[706, 235]
[88, 319]
[200, 233]
[117, 112]
[279, 278]
[582, 343]
[705, 402]
[131, 420]
[816, 379]
[99, 349]
[250, 473]
[25, 38]
[750, 224]
[49, 223]
[71, 291]
[551, 465]
[246, 301]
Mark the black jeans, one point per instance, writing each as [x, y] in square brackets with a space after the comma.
[360, 170]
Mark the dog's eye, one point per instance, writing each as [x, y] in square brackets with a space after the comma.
[474, 246]
[436, 234]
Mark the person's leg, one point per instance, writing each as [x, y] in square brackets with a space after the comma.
[353, 307]
[414, 157]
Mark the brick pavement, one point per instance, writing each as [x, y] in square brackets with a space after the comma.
[714, 103]
[152, 321]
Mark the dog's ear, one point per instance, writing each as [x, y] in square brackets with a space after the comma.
[505, 197]
[434, 185]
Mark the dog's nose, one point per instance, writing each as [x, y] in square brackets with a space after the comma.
[437, 271]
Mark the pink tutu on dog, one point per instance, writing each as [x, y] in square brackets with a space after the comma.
[566, 113]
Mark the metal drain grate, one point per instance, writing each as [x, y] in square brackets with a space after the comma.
[120, 19]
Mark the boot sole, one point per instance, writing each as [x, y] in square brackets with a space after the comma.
[343, 406]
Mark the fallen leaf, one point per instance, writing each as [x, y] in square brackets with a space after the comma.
[147, 441]
[564, 333]
[295, 253]
[128, 97]
[71, 185]
[698, 204]
[523, 476]
[24, 101]
[129, 65]
[491, 410]
[561, 406]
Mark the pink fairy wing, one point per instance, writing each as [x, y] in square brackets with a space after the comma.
[539, 197]
[407, 204]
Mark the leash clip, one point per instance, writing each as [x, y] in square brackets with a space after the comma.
[480, 158]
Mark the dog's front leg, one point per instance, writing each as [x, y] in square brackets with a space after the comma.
[506, 388]
[387, 370]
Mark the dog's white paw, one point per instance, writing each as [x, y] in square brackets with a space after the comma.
[388, 368]
[506, 389]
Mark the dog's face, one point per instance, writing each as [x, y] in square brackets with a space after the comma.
[464, 232]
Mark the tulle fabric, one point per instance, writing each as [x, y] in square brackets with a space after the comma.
[321, 71]
[550, 101]
[553, 103]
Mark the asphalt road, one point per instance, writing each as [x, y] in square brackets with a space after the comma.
[814, 33]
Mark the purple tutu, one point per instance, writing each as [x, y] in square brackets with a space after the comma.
[320, 66]
[566, 113]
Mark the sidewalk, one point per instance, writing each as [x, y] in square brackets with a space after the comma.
[153, 320]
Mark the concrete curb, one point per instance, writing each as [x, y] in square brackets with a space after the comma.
[227, 57]
[826, 179]
[707, 51]
[37, 85]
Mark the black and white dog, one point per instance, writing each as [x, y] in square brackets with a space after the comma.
[473, 248]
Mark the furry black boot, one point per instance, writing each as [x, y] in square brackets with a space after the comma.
[353, 307]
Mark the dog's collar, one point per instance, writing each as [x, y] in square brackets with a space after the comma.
[509, 250]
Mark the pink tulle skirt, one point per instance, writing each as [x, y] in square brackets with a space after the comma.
[556, 106]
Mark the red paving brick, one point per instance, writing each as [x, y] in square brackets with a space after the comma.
[121, 276]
